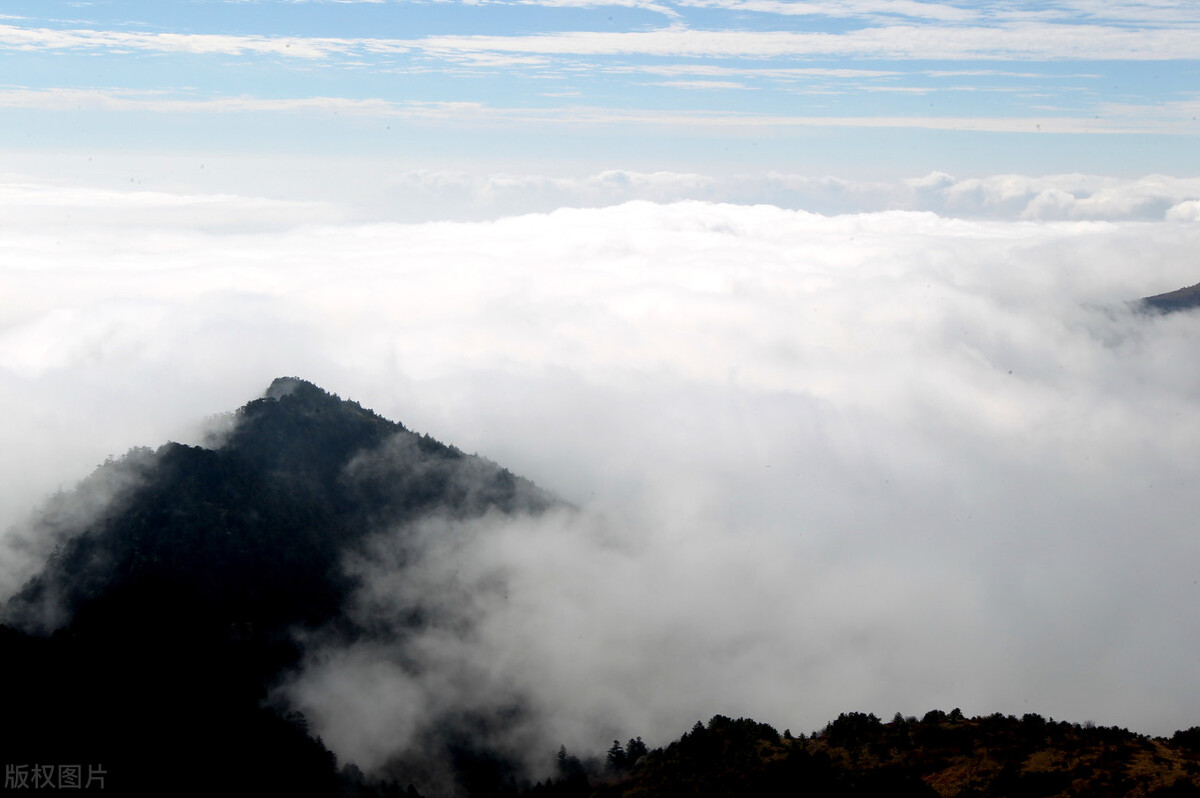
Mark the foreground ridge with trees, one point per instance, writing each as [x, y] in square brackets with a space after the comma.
[941, 755]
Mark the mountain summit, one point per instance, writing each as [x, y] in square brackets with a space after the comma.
[250, 531]
[152, 637]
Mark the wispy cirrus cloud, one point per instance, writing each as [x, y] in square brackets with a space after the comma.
[1020, 41]
[854, 8]
[1140, 12]
[27, 38]
[1030, 41]
[1170, 121]
[702, 84]
[647, 5]
[1149, 13]
[468, 113]
[62, 99]
[774, 73]
[1168, 12]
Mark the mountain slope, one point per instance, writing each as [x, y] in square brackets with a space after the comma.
[252, 530]
[173, 610]
[1172, 301]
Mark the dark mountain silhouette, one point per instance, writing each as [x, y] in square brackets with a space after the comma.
[1172, 301]
[250, 531]
[151, 638]
[141, 659]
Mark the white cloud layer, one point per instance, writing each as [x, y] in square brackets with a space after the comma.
[885, 461]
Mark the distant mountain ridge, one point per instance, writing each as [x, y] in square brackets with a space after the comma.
[1179, 300]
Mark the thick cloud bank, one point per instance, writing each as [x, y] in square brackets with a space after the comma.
[881, 462]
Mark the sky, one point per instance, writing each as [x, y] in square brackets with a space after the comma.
[818, 311]
[848, 88]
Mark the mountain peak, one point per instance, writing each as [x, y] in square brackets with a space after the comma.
[284, 386]
[302, 478]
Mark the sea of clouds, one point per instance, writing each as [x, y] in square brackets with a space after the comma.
[883, 460]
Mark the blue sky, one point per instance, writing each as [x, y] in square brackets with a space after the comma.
[843, 87]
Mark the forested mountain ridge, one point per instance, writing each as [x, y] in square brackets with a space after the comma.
[253, 527]
[942, 755]
[153, 635]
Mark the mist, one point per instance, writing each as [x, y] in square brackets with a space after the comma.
[881, 461]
